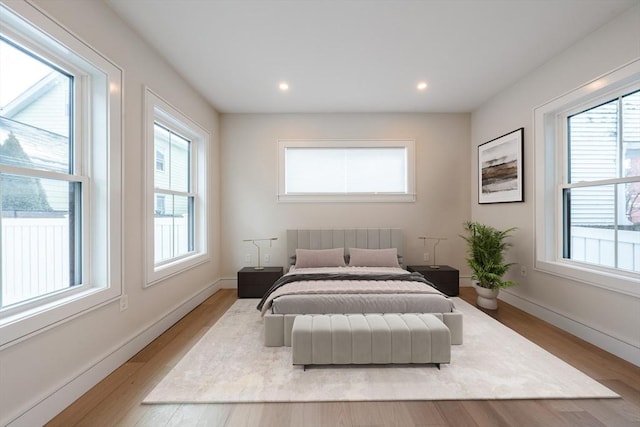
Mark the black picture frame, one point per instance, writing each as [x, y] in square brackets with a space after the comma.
[501, 169]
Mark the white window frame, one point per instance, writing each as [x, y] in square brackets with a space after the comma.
[157, 110]
[550, 158]
[98, 137]
[407, 144]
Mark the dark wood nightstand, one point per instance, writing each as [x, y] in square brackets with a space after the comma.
[445, 278]
[254, 283]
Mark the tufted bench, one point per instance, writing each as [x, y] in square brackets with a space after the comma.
[325, 339]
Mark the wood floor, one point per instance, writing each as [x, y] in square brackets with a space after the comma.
[116, 400]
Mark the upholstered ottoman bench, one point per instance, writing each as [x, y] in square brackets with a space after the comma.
[338, 339]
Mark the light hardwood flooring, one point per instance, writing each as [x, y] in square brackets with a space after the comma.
[117, 399]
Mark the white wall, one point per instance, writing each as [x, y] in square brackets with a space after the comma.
[42, 375]
[249, 182]
[605, 318]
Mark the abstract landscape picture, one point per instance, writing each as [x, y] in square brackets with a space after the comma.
[500, 169]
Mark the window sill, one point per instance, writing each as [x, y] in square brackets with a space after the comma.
[27, 323]
[166, 271]
[590, 275]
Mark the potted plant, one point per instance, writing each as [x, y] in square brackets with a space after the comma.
[486, 247]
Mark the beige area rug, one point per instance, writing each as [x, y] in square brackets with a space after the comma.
[230, 364]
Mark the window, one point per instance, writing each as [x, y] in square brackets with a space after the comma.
[174, 227]
[160, 204]
[600, 197]
[59, 175]
[176, 221]
[159, 161]
[588, 163]
[346, 170]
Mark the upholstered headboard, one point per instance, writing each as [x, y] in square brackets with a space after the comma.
[365, 238]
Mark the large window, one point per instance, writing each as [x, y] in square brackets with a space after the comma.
[174, 226]
[176, 199]
[600, 198]
[40, 186]
[59, 175]
[588, 165]
[346, 170]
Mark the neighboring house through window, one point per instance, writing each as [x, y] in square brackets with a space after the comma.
[600, 196]
[588, 165]
[176, 194]
[60, 168]
[160, 204]
[159, 161]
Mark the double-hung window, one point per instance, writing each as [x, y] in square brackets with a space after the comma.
[60, 142]
[346, 170]
[41, 186]
[176, 190]
[601, 203]
[588, 165]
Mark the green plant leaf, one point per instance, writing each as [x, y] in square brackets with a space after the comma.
[486, 246]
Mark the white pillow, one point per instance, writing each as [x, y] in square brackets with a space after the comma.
[311, 258]
[373, 257]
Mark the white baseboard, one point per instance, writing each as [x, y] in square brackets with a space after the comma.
[47, 408]
[228, 282]
[598, 338]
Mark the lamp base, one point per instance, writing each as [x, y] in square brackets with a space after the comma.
[258, 268]
[435, 267]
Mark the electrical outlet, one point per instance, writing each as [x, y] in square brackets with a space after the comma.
[124, 302]
[425, 257]
[247, 258]
[523, 271]
[267, 258]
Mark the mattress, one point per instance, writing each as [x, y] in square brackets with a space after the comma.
[391, 292]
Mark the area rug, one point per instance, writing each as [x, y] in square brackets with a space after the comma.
[230, 364]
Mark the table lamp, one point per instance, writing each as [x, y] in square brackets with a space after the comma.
[436, 241]
[269, 239]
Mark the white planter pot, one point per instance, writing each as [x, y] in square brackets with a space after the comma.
[487, 298]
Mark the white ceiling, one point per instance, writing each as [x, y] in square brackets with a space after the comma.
[360, 55]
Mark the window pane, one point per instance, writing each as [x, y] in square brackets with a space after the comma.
[161, 138]
[593, 144]
[594, 234]
[315, 170]
[175, 154]
[345, 170]
[376, 170]
[631, 134]
[173, 229]
[34, 112]
[591, 221]
[41, 237]
[629, 239]
[179, 163]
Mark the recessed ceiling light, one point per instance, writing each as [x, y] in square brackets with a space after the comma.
[284, 86]
[422, 85]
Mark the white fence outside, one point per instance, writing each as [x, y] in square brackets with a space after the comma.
[28, 242]
[597, 246]
[171, 237]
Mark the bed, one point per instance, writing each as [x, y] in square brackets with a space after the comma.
[349, 271]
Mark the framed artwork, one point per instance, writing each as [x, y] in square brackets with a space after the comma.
[500, 169]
